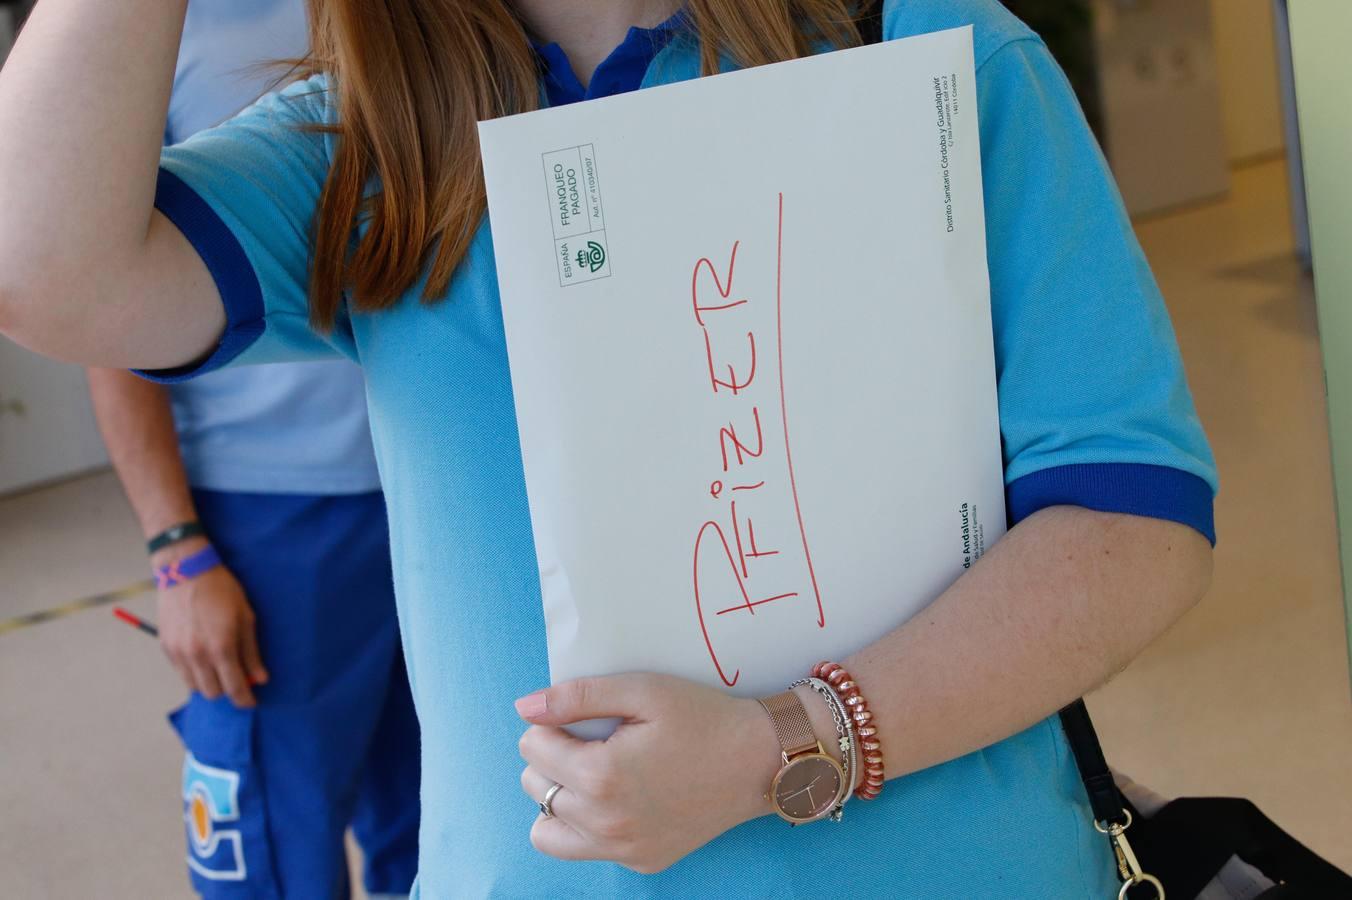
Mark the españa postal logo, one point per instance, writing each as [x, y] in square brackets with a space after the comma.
[210, 799]
[592, 257]
[573, 189]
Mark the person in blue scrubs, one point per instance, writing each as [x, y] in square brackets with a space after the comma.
[1110, 480]
[275, 463]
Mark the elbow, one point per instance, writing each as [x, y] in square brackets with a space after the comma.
[1199, 570]
[48, 300]
[47, 328]
[10, 317]
[16, 287]
[16, 312]
[1180, 564]
[11, 290]
[13, 275]
[1184, 566]
[1159, 571]
[38, 294]
[1182, 560]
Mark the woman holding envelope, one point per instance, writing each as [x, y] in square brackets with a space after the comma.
[239, 247]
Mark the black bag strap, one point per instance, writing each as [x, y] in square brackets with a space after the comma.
[1104, 797]
[1106, 802]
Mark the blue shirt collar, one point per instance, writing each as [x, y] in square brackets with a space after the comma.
[620, 72]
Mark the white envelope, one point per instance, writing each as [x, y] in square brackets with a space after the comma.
[748, 320]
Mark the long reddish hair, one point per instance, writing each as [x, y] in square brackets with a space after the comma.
[414, 77]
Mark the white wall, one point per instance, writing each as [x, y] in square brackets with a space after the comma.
[1161, 91]
[47, 429]
[1246, 58]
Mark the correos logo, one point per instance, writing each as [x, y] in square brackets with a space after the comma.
[592, 258]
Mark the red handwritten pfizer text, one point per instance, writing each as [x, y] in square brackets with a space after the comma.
[735, 572]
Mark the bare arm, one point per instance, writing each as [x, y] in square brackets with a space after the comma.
[138, 429]
[206, 624]
[89, 272]
[1056, 608]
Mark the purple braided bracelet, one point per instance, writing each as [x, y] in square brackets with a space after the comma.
[187, 568]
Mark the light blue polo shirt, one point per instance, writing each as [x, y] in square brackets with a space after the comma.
[1095, 412]
[279, 429]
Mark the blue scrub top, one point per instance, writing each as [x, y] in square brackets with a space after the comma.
[1095, 412]
[280, 429]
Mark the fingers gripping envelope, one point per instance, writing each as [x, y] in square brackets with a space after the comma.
[748, 320]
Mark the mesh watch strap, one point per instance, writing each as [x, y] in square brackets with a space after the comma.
[792, 726]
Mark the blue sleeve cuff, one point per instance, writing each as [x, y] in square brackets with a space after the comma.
[229, 267]
[1158, 492]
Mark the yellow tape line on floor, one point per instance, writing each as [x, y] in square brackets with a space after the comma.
[66, 609]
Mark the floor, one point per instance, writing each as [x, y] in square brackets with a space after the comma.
[1248, 695]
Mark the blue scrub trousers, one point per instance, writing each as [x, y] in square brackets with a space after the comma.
[269, 792]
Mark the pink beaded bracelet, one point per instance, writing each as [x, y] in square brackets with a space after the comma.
[870, 744]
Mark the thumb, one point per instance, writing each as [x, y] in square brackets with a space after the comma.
[252, 659]
[612, 696]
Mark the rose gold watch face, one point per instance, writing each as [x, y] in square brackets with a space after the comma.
[807, 789]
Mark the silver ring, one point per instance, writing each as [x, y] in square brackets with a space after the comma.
[547, 804]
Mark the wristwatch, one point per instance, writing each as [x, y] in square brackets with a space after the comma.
[811, 784]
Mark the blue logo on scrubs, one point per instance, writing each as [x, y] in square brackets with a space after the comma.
[211, 798]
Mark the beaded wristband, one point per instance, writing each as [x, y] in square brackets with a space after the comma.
[188, 567]
[870, 744]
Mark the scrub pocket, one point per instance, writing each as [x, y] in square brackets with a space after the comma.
[224, 814]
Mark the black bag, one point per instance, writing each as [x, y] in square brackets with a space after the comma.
[1187, 843]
